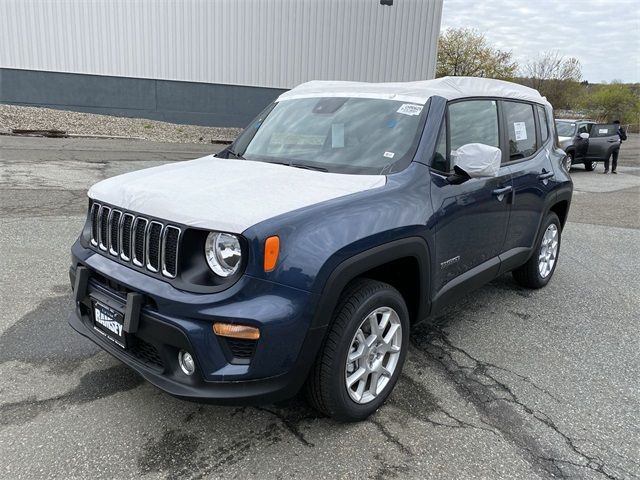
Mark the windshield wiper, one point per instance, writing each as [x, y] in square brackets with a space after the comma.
[299, 165]
[235, 154]
[308, 167]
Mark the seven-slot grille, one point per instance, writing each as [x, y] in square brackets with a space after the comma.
[147, 243]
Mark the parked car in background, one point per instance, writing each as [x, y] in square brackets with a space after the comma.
[602, 139]
[301, 255]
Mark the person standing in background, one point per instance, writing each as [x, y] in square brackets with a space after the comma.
[622, 136]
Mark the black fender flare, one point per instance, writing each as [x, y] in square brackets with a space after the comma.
[348, 270]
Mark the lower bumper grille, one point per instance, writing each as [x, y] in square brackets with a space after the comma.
[147, 354]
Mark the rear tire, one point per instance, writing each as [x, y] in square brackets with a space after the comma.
[352, 350]
[539, 269]
[590, 166]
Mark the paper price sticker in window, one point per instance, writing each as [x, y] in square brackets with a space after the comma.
[410, 109]
[520, 130]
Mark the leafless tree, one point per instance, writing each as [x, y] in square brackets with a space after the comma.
[555, 77]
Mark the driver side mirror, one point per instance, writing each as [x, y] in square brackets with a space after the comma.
[477, 160]
[584, 135]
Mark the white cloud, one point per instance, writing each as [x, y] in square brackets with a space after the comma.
[603, 34]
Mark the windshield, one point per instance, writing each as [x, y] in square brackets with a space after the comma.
[335, 134]
[566, 129]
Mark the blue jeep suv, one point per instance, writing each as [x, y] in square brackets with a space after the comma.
[300, 256]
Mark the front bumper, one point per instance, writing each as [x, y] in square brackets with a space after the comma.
[171, 320]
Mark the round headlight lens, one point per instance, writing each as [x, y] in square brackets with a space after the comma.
[223, 253]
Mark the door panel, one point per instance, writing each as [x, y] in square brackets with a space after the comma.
[471, 223]
[531, 171]
[530, 191]
[602, 138]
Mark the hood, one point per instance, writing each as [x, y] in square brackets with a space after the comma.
[225, 194]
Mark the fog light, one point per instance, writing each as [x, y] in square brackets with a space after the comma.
[186, 362]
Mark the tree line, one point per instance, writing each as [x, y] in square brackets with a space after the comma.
[466, 52]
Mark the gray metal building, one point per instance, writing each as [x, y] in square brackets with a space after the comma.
[209, 62]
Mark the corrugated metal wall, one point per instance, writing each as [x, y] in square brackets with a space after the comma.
[270, 43]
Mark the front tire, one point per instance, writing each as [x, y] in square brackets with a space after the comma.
[539, 269]
[363, 354]
[568, 161]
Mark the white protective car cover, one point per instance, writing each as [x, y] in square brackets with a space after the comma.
[233, 195]
[225, 195]
[478, 159]
[417, 92]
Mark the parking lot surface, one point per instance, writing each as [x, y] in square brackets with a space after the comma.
[509, 383]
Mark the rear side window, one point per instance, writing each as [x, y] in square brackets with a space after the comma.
[603, 130]
[544, 124]
[521, 128]
[473, 121]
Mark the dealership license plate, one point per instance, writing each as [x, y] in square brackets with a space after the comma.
[109, 323]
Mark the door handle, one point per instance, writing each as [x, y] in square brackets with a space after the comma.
[612, 140]
[545, 175]
[503, 190]
[500, 192]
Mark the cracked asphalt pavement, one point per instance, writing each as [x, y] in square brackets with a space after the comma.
[510, 383]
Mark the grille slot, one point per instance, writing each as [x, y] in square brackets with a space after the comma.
[170, 241]
[148, 244]
[104, 227]
[139, 231]
[114, 231]
[125, 236]
[154, 236]
[95, 209]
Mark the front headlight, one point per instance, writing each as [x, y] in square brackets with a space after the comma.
[223, 253]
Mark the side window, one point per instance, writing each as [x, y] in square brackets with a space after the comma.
[521, 128]
[440, 161]
[473, 121]
[544, 124]
[603, 130]
[584, 128]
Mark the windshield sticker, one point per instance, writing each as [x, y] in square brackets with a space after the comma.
[602, 131]
[337, 135]
[520, 130]
[410, 109]
[389, 154]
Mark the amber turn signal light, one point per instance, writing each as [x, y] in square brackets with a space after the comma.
[236, 331]
[271, 252]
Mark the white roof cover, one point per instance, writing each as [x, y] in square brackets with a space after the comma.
[417, 92]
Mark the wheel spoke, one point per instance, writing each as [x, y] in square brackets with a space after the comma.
[356, 376]
[356, 354]
[373, 385]
[375, 326]
[384, 321]
[360, 390]
[388, 338]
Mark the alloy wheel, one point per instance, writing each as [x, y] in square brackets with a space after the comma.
[373, 355]
[548, 251]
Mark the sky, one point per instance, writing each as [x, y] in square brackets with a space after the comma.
[603, 34]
